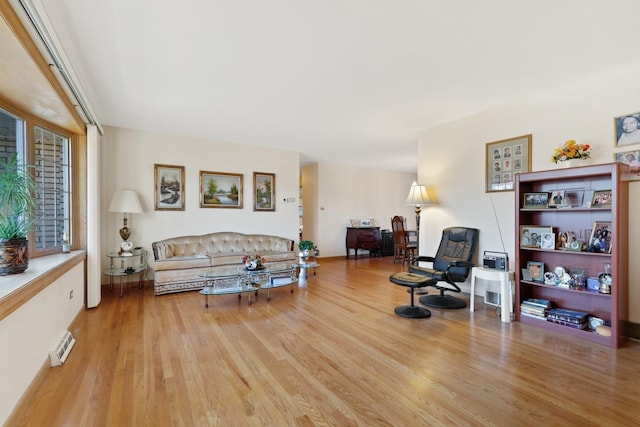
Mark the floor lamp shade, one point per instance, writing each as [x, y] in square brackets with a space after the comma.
[125, 201]
[418, 197]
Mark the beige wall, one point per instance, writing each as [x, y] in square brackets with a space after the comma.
[127, 161]
[451, 157]
[333, 194]
[27, 334]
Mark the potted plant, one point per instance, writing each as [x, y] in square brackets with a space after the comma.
[306, 246]
[17, 214]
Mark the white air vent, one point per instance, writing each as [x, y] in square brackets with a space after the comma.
[492, 298]
[61, 348]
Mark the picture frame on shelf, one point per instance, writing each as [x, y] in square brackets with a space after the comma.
[631, 158]
[535, 200]
[526, 274]
[600, 240]
[547, 241]
[601, 199]
[530, 235]
[264, 191]
[220, 190]
[573, 198]
[557, 199]
[503, 159]
[536, 269]
[626, 129]
[169, 187]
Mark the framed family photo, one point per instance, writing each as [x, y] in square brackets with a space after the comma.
[600, 240]
[631, 158]
[504, 159]
[557, 199]
[547, 241]
[627, 129]
[536, 269]
[220, 190]
[264, 187]
[601, 199]
[169, 187]
[535, 200]
[531, 235]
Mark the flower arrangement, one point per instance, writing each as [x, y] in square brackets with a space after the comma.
[253, 261]
[571, 150]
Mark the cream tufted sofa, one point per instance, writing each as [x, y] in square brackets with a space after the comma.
[180, 261]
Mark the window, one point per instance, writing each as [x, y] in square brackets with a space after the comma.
[52, 161]
[11, 136]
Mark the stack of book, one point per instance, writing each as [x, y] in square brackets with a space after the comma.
[571, 318]
[535, 307]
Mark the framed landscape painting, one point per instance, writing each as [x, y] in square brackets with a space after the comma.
[220, 190]
[169, 187]
[264, 191]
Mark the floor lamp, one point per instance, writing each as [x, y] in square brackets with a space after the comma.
[418, 197]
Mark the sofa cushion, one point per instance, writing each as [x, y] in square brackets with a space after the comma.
[183, 262]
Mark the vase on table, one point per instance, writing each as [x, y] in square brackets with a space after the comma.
[572, 163]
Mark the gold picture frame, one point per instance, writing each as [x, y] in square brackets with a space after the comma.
[264, 192]
[626, 129]
[504, 159]
[220, 190]
[169, 187]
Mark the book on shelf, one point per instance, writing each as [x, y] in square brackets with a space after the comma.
[573, 325]
[533, 310]
[538, 302]
[531, 315]
[567, 315]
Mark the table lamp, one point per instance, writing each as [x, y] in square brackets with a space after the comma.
[125, 201]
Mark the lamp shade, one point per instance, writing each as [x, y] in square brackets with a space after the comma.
[418, 196]
[125, 201]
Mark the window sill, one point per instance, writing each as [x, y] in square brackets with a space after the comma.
[17, 289]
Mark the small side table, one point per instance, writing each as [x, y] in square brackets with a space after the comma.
[505, 278]
[129, 265]
[305, 265]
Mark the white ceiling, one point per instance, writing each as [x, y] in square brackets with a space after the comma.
[338, 80]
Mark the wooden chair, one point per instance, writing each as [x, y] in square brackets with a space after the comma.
[403, 249]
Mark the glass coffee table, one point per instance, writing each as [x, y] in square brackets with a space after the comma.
[239, 280]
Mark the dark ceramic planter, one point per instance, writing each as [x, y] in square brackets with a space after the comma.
[14, 256]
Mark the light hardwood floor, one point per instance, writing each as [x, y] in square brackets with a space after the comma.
[333, 353]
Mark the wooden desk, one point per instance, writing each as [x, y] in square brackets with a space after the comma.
[367, 238]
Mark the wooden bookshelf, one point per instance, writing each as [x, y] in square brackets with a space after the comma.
[578, 219]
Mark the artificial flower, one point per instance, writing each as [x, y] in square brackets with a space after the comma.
[571, 150]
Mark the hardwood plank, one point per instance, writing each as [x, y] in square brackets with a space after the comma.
[332, 353]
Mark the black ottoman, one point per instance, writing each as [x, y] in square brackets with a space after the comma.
[412, 281]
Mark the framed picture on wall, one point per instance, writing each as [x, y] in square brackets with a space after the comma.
[626, 129]
[220, 190]
[264, 191]
[169, 187]
[505, 158]
[631, 158]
